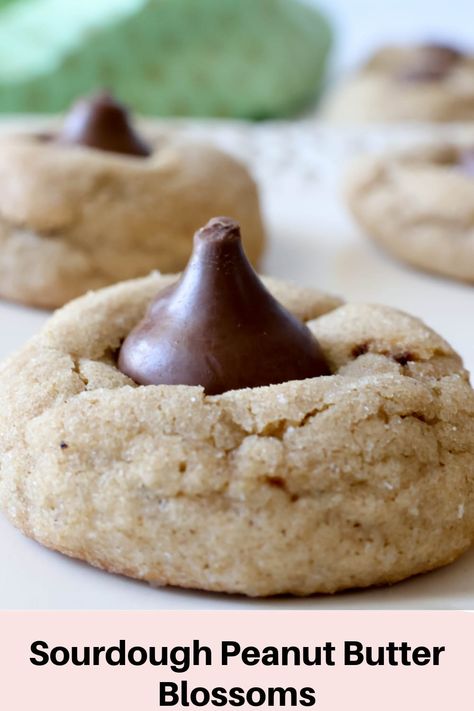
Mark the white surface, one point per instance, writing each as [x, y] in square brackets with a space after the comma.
[313, 241]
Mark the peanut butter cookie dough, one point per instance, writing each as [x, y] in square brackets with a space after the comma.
[418, 205]
[428, 82]
[359, 475]
[95, 204]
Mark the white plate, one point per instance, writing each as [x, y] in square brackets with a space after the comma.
[313, 241]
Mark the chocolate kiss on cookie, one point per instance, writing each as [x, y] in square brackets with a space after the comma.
[219, 327]
[104, 123]
[433, 62]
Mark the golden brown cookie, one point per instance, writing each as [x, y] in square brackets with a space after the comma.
[74, 218]
[418, 205]
[358, 478]
[428, 82]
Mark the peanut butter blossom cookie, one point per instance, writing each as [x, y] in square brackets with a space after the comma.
[96, 203]
[428, 82]
[418, 206]
[220, 432]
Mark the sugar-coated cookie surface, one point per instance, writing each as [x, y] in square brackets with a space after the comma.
[74, 218]
[359, 478]
[418, 205]
[407, 83]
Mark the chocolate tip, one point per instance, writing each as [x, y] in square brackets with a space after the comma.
[220, 229]
[107, 98]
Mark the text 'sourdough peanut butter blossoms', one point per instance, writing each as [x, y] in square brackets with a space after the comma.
[348, 461]
[96, 204]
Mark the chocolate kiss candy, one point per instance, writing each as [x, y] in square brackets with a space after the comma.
[433, 62]
[442, 53]
[219, 327]
[103, 123]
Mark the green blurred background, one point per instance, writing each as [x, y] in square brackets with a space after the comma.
[247, 59]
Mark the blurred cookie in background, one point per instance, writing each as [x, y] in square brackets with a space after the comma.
[96, 203]
[426, 82]
[419, 206]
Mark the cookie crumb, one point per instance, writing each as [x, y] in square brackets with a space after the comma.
[276, 481]
[404, 358]
[360, 349]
